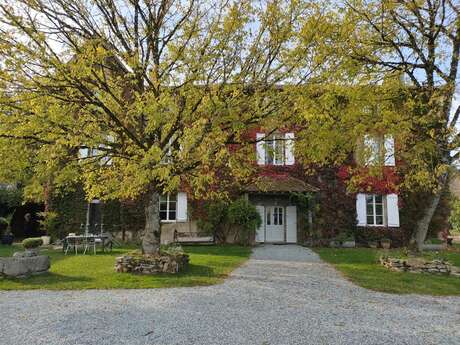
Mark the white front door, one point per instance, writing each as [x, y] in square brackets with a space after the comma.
[274, 224]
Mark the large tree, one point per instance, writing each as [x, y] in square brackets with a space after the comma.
[419, 42]
[155, 90]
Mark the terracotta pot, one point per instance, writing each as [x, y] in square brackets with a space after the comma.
[385, 244]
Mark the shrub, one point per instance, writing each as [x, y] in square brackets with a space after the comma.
[3, 225]
[454, 218]
[49, 223]
[216, 216]
[33, 242]
[245, 217]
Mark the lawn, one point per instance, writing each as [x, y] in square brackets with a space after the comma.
[360, 265]
[208, 265]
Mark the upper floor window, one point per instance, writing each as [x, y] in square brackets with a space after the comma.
[168, 207]
[275, 149]
[378, 150]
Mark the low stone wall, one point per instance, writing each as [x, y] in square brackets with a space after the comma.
[24, 265]
[151, 264]
[418, 265]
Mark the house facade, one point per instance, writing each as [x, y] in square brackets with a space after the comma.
[275, 194]
[295, 207]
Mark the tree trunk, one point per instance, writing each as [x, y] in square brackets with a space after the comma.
[423, 224]
[151, 236]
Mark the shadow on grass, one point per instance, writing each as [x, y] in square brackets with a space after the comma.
[49, 278]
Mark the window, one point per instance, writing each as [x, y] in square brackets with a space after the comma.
[168, 207]
[275, 149]
[374, 209]
[378, 150]
[275, 216]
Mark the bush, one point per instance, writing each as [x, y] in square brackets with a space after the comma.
[454, 218]
[216, 217]
[3, 225]
[245, 217]
[33, 242]
[49, 223]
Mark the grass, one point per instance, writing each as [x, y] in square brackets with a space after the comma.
[208, 265]
[360, 265]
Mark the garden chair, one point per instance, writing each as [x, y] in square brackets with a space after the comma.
[90, 243]
[72, 243]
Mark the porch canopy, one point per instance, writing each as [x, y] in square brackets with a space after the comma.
[279, 184]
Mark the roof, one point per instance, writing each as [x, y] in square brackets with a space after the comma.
[279, 184]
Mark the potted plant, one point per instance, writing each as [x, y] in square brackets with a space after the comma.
[49, 224]
[345, 240]
[31, 245]
[385, 243]
[5, 230]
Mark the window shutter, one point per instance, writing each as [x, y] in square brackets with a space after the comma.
[260, 147]
[361, 209]
[182, 207]
[389, 151]
[392, 210]
[289, 149]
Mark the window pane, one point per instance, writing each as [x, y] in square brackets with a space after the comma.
[370, 220]
[379, 209]
[275, 216]
[369, 199]
[172, 206]
[379, 220]
[369, 210]
[163, 206]
[378, 199]
[269, 215]
[172, 215]
[172, 197]
[163, 198]
[280, 216]
[163, 215]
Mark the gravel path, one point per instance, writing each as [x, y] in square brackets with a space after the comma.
[283, 295]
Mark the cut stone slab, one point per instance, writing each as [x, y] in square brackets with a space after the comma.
[24, 266]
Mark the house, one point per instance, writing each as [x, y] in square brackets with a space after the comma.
[280, 177]
[275, 192]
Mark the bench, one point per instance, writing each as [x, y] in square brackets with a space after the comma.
[192, 237]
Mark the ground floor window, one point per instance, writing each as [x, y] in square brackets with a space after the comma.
[168, 207]
[374, 209]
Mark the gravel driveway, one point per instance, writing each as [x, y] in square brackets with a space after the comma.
[283, 295]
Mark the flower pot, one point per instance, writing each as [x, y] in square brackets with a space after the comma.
[385, 244]
[372, 245]
[46, 240]
[349, 244]
[7, 239]
[32, 251]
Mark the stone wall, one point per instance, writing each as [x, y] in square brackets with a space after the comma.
[419, 265]
[151, 264]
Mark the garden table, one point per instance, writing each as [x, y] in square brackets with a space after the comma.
[86, 241]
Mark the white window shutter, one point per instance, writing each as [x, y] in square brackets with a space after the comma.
[182, 207]
[392, 210]
[361, 209]
[260, 148]
[389, 150]
[289, 149]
